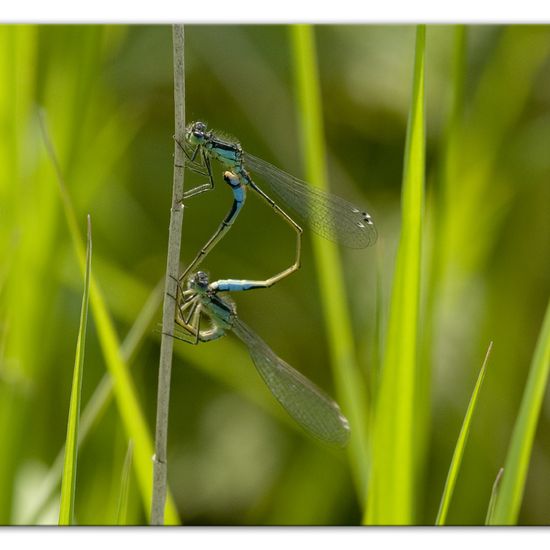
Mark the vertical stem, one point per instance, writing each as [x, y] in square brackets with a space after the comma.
[169, 307]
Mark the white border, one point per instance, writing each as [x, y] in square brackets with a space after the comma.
[280, 11]
[358, 538]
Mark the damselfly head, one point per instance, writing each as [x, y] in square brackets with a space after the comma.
[197, 133]
[198, 281]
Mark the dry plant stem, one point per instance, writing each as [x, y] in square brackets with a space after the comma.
[169, 307]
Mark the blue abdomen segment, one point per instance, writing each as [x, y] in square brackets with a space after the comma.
[235, 285]
[239, 194]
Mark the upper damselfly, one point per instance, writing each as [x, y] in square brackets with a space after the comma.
[328, 215]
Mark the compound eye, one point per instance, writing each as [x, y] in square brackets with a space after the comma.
[202, 278]
[199, 129]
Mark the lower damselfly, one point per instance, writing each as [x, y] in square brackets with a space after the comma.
[328, 215]
[309, 406]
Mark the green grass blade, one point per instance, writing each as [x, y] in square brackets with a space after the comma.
[125, 393]
[494, 495]
[517, 460]
[460, 446]
[68, 482]
[350, 386]
[122, 512]
[391, 492]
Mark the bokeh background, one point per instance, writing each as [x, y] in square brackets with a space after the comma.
[107, 92]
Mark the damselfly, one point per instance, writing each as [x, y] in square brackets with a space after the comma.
[306, 404]
[328, 215]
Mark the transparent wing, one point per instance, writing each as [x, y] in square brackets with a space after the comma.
[307, 404]
[328, 215]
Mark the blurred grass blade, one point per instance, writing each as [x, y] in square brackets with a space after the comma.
[439, 211]
[350, 387]
[460, 446]
[130, 411]
[391, 491]
[519, 453]
[520, 53]
[68, 482]
[494, 495]
[26, 246]
[122, 512]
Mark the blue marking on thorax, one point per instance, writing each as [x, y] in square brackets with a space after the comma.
[220, 311]
[226, 153]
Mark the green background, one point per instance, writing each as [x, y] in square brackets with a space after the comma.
[233, 459]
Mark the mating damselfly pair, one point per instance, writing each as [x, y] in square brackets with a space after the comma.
[328, 215]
